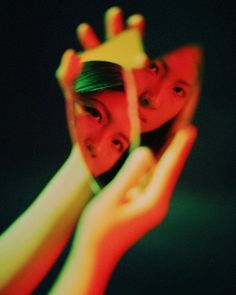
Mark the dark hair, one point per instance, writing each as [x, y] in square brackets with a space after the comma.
[99, 76]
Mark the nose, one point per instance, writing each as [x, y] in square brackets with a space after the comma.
[91, 147]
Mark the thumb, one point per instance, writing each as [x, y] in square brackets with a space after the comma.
[139, 162]
[69, 69]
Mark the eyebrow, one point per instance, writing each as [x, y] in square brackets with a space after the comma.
[167, 70]
[124, 137]
[184, 83]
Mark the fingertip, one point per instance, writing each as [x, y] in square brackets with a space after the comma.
[136, 21]
[135, 18]
[114, 21]
[188, 133]
[181, 145]
[143, 153]
[69, 68]
[86, 36]
[114, 10]
[64, 60]
[81, 31]
[136, 166]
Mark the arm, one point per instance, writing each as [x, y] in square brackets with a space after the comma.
[31, 245]
[135, 202]
[42, 231]
[33, 242]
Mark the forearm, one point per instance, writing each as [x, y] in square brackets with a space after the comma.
[86, 272]
[32, 244]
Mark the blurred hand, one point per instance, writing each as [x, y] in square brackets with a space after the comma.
[136, 200]
[70, 67]
[114, 24]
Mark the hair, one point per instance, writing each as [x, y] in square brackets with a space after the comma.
[99, 76]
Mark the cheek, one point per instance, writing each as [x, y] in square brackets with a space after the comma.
[84, 126]
[171, 106]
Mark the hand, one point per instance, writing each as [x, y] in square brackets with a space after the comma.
[114, 24]
[135, 201]
[116, 51]
[70, 67]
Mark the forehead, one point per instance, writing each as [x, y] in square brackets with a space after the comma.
[110, 97]
[146, 80]
[183, 63]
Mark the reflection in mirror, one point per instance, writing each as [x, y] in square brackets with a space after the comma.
[172, 82]
[101, 115]
[167, 93]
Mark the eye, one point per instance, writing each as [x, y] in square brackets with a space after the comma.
[153, 67]
[144, 101]
[94, 113]
[179, 91]
[118, 145]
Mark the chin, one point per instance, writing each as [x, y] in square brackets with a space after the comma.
[95, 168]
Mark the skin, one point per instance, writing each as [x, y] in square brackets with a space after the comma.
[167, 86]
[103, 129]
[136, 201]
[164, 88]
[122, 206]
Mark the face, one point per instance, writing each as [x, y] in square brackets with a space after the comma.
[102, 129]
[167, 86]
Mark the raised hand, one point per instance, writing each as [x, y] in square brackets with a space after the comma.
[70, 67]
[114, 25]
[132, 204]
[138, 198]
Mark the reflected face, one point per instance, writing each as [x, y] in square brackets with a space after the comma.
[103, 129]
[166, 87]
[164, 90]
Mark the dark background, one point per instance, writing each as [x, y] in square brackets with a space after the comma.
[193, 251]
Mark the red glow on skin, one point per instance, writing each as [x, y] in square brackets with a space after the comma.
[42, 260]
[103, 133]
[167, 85]
[163, 93]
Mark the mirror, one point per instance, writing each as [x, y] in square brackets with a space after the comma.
[101, 115]
[164, 94]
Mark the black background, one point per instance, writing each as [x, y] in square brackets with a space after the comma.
[192, 252]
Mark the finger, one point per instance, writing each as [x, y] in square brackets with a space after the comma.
[114, 23]
[69, 69]
[171, 164]
[159, 189]
[136, 21]
[135, 167]
[86, 36]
